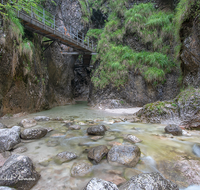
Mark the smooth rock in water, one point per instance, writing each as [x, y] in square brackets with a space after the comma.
[28, 134]
[53, 143]
[81, 169]
[9, 138]
[132, 138]
[41, 118]
[20, 150]
[149, 181]
[96, 154]
[97, 130]
[99, 184]
[6, 188]
[196, 149]
[19, 173]
[95, 138]
[2, 126]
[27, 123]
[64, 157]
[74, 127]
[173, 129]
[128, 155]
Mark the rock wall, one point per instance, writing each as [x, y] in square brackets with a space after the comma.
[49, 80]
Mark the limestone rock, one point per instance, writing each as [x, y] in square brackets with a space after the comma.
[128, 155]
[28, 134]
[96, 154]
[132, 138]
[27, 123]
[81, 169]
[173, 129]
[64, 157]
[9, 138]
[19, 172]
[99, 184]
[96, 130]
[41, 118]
[74, 127]
[147, 181]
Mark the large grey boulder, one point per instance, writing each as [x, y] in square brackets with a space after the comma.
[96, 154]
[96, 130]
[28, 134]
[2, 126]
[149, 181]
[81, 169]
[128, 155]
[18, 172]
[64, 157]
[27, 123]
[41, 118]
[9, 138]
[99, 184]
[173, 129]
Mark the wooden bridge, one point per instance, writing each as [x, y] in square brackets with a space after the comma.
[40, 21]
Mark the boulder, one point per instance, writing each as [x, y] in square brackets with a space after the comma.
[97, 130]
[64, 157]
[27, 123]
[2, 126]
[132, 138]
[74, 127]
[41, 118]
[99, 184]
[173, 129]
[149, 181]
[81, 169]
[128, 155]
[96, 154]
[28, 134]
[196, 149]
[9, 138]
[18, 172]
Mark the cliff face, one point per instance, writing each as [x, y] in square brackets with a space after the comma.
[46, 82]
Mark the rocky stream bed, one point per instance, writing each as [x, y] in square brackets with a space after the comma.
[75, 147]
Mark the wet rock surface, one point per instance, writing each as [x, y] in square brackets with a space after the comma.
[27, 123]
[64, 157]
[148, 181]
[28, 134]
[132, 138]
[173, 129]
[41, 118]
[9, 138]
[97, 130]
[74, 127]
[99, 184]
[20, 173]
[128, 155]
[81, 169]
[96, 154]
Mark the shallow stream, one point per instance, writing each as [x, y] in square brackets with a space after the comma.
[160, 152]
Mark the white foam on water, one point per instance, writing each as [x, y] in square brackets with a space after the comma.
[192, 187]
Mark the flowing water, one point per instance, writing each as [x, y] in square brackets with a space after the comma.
[159, 152]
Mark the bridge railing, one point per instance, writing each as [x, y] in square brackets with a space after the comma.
[46, 18]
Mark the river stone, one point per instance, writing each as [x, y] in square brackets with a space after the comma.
[28, 134]
[19, 172]
[2, 126]
[74, 127]
[99, 184]
[149, 181]
[196, 149]
[27, 123]
[64, 157]
[9, 138]
[173, 129]
[6, 188]
[41, 118]
[132, 138]
[20, 150]
[128, 155]
[97, 130]
[96, 138]
[81, 169]
[96, 154]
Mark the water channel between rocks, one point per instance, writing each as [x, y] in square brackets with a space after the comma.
[160, 153]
